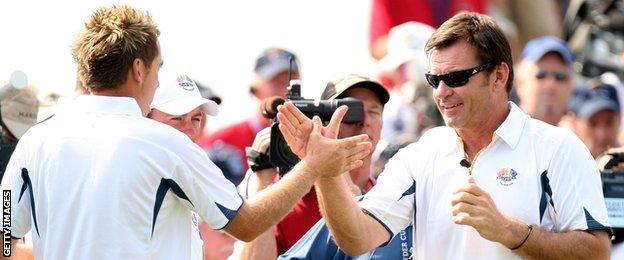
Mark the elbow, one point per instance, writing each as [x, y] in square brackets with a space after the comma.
[351, 249]
[246, 236]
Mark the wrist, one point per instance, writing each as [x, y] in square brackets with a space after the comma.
[516, 234]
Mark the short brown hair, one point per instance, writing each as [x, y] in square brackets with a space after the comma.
[482, 33]
[111, 40]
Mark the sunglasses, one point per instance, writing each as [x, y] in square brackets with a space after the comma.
[559, 76]
[457, 78]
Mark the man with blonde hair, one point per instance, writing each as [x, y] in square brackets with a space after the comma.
[101, 181]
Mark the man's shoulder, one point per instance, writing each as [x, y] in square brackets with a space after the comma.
[543, 132]
[231, 131]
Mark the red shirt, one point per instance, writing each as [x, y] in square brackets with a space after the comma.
[303, 216]
[389, 13]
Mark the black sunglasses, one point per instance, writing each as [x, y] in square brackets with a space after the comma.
[559, 76]
[457, 78]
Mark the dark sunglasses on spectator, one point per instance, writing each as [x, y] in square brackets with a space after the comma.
[457, 78]
[559, 76]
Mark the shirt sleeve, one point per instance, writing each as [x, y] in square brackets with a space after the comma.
[204, 188]
[15, 183]
[391, 200]
[380, 22]
[572, 185]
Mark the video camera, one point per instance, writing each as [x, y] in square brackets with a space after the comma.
[280, 155]
[612, 175]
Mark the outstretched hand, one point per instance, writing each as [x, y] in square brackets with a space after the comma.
[317, 145]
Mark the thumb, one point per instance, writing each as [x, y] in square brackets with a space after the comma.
[316, 125]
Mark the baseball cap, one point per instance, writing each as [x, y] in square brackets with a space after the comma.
[178, 94]
[535, 49]
[338, 86]
[273, 61]
[587, 102]
[406, 42]
[19, 109]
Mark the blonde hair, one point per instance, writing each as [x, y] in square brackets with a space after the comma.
[111, 40]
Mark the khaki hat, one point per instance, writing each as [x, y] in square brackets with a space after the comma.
[338, 86]
[19, 109]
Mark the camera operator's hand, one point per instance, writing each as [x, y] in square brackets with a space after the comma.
[318, 147]
[261, 144]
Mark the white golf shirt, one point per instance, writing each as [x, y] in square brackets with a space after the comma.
[100, 181]
[535, 172]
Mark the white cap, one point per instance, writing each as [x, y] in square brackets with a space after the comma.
[406, 42]
[178, 94]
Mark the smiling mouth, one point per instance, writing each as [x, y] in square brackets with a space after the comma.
[452, 106]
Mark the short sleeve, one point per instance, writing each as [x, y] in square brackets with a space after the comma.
[573, 186]
[204, 188]
[391, 200]
[15, 186]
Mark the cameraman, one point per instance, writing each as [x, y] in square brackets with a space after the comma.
[306, 212]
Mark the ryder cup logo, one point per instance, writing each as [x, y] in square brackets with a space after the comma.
[506, 176]
[185, 82]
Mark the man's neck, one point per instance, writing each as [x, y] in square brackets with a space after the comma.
[478, 138]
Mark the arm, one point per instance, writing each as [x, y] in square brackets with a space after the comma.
[474, 207]
[353, 230]
[20, 251]
[264, 246]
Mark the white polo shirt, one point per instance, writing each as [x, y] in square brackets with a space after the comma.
[100, 181]
[535, 172]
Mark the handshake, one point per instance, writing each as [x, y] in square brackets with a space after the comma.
[272, 147]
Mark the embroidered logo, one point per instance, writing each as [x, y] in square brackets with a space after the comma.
[185, 82]
[506, 176]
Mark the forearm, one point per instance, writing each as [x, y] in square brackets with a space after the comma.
[269, 206]
[20, 251]
[263, 247]
[353, 230]
[543, 244]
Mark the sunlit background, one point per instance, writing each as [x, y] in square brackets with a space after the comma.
[214, 41]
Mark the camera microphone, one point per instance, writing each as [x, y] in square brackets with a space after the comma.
[269, 106]
[465, 163]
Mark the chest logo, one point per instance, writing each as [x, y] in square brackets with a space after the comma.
[506, 176]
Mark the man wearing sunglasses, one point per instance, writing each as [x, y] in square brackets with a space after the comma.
[491, 184]
[544, 82]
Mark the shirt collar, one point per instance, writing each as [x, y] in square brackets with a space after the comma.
[511, 129]
[102, 105]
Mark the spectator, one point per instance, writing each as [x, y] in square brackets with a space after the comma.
[544, 83]
[227, 145]
[597, 118]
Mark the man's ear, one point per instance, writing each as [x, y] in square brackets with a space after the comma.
[137, 71]
[501, 75]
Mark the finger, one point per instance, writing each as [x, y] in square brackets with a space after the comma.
[352, 141]
[472, 189]
[291, 140]
[353, 165]
[297, 114]
[287, 125]
[287, 116]
[334, 123]
[471, 179]
[464, 197]
[316, 125]
[360, 151]
[464, 219]
[461, 207]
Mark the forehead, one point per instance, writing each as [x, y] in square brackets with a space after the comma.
[552, 59]
[458, 56]
[366, 95]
